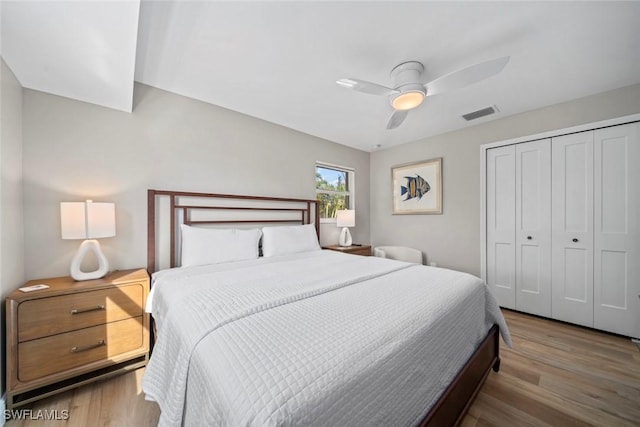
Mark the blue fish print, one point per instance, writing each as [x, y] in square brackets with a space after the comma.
[416, 187]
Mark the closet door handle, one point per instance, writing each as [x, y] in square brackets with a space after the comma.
[574, 240]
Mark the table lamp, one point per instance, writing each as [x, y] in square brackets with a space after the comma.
[345, 218]
[88, 220]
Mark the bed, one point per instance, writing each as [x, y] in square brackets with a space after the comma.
[303, 336]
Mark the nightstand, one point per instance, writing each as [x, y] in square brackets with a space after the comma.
[364, 250]
[74, 333]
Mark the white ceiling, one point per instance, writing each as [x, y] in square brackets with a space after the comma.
[279, 61]
[81, 50]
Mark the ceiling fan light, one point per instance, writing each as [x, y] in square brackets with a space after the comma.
[408, 100]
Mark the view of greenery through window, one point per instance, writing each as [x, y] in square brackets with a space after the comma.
[332, 189]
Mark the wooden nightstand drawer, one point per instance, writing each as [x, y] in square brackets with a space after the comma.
[48, 316]
[364, 250]
[46, 356]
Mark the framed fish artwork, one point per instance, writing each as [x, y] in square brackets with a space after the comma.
[417, 187]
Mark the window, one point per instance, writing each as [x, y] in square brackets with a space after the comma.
[334, 190]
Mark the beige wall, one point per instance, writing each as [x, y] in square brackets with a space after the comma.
[74, 151]
[11, 230]
[452, 239]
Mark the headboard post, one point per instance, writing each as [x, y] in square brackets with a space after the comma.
[172, 207]
[317, 220]
[151, 231]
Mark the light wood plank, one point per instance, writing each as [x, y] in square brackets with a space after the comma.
[561, 375]
[555, 375]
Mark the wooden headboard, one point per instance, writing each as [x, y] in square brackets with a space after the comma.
[166, 210]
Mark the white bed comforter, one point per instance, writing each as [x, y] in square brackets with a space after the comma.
[320, 338]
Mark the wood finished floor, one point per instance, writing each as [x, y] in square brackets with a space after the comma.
[555, 375]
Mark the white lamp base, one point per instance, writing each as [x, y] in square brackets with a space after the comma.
[83, 250]
[345, 237]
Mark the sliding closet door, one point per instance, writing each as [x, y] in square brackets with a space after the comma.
[533, 227]
[501, 221]
[617, 230]
[572, 228]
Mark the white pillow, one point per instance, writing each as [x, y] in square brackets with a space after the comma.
[289, 240]
[214, 246]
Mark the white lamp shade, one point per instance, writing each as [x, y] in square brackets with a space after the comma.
[346, 218]
[87, 220]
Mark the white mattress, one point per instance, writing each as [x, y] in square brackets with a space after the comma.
[320, 338]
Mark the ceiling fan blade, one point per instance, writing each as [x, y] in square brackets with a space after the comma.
[397, 118]
[466, 76]
[366, 87]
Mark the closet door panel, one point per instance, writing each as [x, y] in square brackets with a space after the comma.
[576, 275]
[572, 228]
[501, 224]
[616, 255]
[533, 227]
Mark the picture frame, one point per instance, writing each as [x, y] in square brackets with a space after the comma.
[417, 188]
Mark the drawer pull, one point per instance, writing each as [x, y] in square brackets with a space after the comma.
[86, 310]
[79, 349]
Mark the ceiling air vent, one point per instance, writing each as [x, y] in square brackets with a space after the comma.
[480, 113]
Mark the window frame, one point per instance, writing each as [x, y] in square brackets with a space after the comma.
[350, 185]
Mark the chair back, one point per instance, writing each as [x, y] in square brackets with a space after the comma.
[400, 253]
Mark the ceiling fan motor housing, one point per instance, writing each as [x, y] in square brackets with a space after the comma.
[406, 78]
[407, 72]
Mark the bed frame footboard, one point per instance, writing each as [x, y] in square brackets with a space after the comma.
[454, 403]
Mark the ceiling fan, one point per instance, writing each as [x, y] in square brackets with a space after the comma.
[408, 92]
